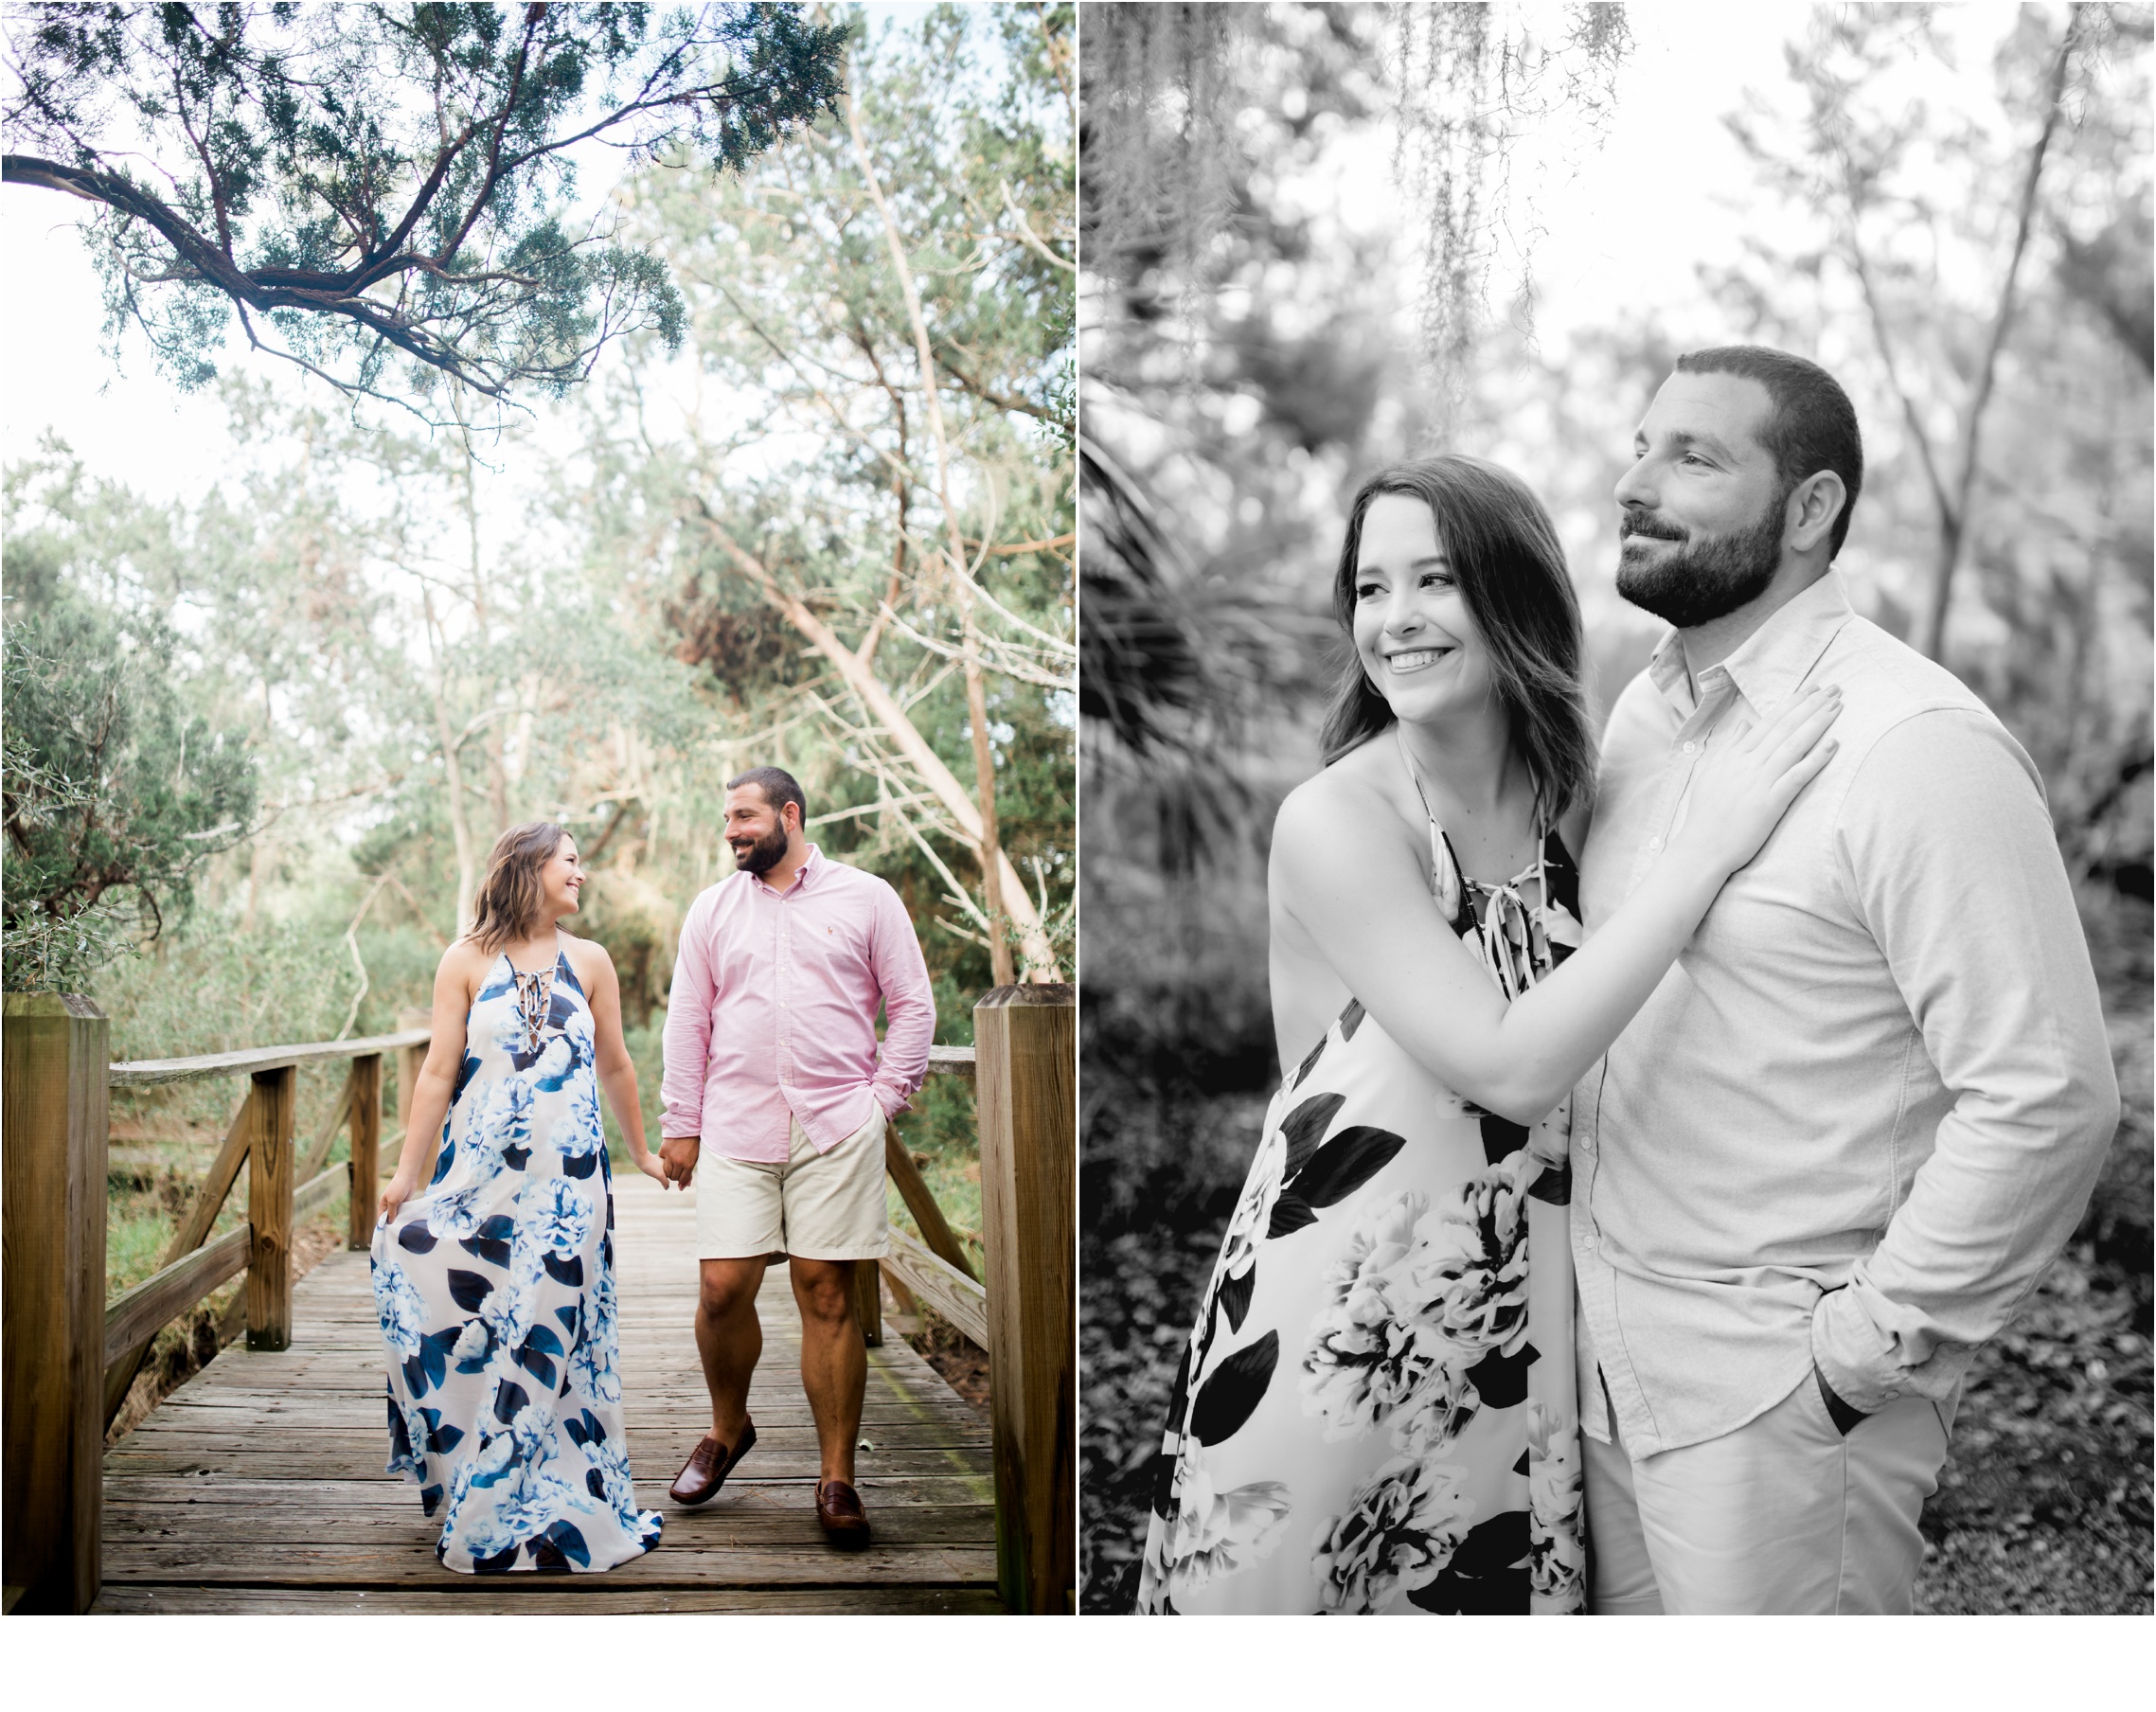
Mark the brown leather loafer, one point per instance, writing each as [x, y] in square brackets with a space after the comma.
[706, 1469]
[840, 1515]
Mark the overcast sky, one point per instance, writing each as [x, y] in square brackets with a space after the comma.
[129, 423]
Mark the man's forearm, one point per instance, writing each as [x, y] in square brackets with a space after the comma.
[1951, 858]
[1987, 1214]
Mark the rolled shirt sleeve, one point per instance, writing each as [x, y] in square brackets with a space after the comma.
[1949, 856]
[687, 1036]
[909, 1006]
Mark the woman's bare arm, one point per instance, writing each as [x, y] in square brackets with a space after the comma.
[1369, 910]
[456, 978]
[609, 1055]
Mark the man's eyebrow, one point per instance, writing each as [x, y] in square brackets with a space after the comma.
[1681, 438]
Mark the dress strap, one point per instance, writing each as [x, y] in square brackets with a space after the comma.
[1447, 883]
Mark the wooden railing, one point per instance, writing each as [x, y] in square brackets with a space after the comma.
[70, 1356]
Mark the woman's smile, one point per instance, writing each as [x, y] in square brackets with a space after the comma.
[1416, 659]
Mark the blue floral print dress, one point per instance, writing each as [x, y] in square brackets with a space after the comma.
[1376, 1412]
[496, 1292]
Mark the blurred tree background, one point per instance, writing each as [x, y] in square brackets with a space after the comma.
[261, 736]
[1292, 277]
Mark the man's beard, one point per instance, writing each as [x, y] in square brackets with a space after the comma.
[1697, 581]
[763, 855]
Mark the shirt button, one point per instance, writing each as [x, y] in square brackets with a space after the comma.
[1654, 844]
[1689, 747]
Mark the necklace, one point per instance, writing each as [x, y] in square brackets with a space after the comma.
[1512, 938]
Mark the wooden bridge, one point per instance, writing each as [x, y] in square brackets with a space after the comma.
[260, 1487]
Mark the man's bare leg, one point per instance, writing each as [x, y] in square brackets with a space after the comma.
[834, 1361]
[729, 1338]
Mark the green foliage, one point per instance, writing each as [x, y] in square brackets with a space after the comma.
[423, 639]
[382, 185]
[115, 792]
[823, 467]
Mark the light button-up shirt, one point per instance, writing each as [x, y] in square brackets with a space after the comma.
[772, 1015]
[1866, 1107]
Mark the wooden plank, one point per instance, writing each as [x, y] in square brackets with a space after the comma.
[269, 1208]
[121, 1367]
[914, 1190]
[362, 1458]
[1029, 1123]
[363, 1433]
[56, 1123]
[673, 1564]
[950, 1291]
[259, 1484]
[774, 1517]
[160, 1072]
[666, 1397]
[162, 1297]
[488, 1597]
[951, 1060]
[173, 1495]
[365, 1167]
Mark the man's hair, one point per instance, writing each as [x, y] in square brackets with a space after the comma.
[1811, 427]
[778, 786]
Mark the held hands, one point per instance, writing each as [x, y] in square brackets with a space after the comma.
[1742, 787]
[649, 1163]
[677, 1158]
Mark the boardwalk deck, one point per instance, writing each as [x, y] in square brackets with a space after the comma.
[259, 1485]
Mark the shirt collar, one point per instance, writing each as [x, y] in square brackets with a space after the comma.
[1769, 662]
[804, 876]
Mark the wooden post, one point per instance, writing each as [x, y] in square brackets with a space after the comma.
[269, 1208]
[56, 1047]
[868, 1302]
[1026, 1037]
[367, 1149]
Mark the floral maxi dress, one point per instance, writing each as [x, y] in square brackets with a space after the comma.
[1375, 1411]
[496, 1292]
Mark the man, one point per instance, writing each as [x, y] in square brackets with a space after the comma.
[775, 1090]
[1846, 1136]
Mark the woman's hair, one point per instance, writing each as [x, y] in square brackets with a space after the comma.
[1510, 570]
[507, 905]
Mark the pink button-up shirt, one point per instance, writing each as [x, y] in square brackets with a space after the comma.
[772, 1012]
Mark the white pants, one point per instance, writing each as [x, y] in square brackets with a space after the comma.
[818, 1206]
[1782, 1517]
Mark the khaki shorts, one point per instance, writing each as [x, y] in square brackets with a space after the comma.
[819, 1206]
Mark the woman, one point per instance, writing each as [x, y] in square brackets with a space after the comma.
[495, 1288]
[1376, 1408]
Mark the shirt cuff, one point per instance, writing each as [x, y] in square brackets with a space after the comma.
[892, 1100]
[1847, 1349]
